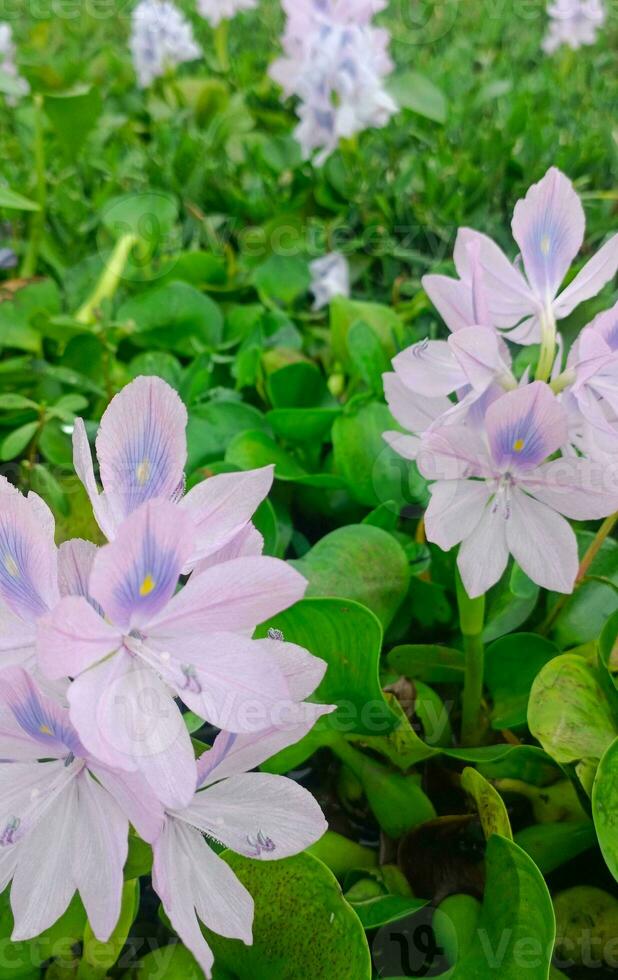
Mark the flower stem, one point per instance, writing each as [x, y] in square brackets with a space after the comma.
[37, 224]
[222, 36]
[548, 345]
[602, 534]
[109, 281]
[471, 620]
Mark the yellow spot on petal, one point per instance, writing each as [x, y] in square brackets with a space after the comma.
[147, 585]
[545, 244]
[45, 730]
[11, 566]
[142, 472]
[518, 445]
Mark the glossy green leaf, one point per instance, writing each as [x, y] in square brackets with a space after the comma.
[348, 637]
[298, 385]
[511, 665]
[382, 320]
[74, 114]
[16, 202]
[418, 93]
[428, 662]
[341, 854]
[552, 844]
[605, 806]
[213, 426]
[373, 470]
[282, 279]
[302, 925]
[514, 937]
[175, 317]
[358, 562]
[490, 805]
[568, 711]
[17, 440]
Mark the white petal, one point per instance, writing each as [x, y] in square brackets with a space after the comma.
[455, 508]
[483, 556]
[542, 542]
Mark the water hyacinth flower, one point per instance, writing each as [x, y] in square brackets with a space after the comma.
[548, 226]
[215, 11]
[257, 815]
[63, 822]
[141, 449]
[335, 62]
[161, 39]
[195, 643]
[18, 87]
[573, 23]
[330, 277]
[497, 492]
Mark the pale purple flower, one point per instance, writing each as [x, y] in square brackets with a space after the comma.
[255, 814]
[590, 384]
[161, 39]
[64, 821]
[474, 363]
[215, 11]
[19, 86]
[335, 62]
[497, 491]
[154, 641]
[548, 226]
[141, 449]
[573, 23]
[330, 277]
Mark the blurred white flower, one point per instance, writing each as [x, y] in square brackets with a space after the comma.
[217, 10]
[574, 23]
[18, 85]
[330, 277]
[161, 39]
[335, 61]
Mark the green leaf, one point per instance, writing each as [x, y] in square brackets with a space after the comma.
[16, 202]
[18, 316]
[428, 662]
[98, 957]
[249, 450]
[173, 962]
[605, 806]
[382, 909]
[74, 114]
[373, 470]
[10, 402]
[148, 214]
[398, 803]
[302, 424]
[511, 665]
[282, 279]
[16, 441]
[174, 317]
[490, 805]
[382, 320]
[568, 711]
[298, 385]
[367, 355]
[348, 637]
[508, 606]
[416, 92]
[552, 844]
[358, 562]
[587, 610]
[341, 854]
[514, 938]
[303, 927]
[213, 427]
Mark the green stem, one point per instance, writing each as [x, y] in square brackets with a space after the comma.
[109, 281]
[37, 224]
[222, 36]
[600, 537]
[548, 345]
[471, 620]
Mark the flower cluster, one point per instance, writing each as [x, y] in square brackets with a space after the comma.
[330, 277]
[19, 85]
[100, 648]
[574, 23]
[510, 457]
[215, 11]
[335, 61]
[161, 38]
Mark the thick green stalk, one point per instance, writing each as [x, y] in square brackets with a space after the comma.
[548, 345]
[471, 621]
[222, 36]
[37, 223]
[109, 281]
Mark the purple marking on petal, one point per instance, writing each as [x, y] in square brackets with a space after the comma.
[16, 585]
[155, 572]
[525, 426]
[46, 725]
